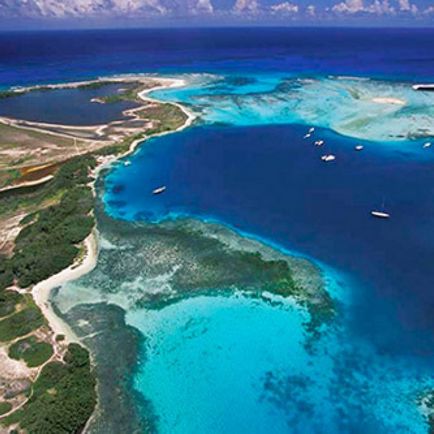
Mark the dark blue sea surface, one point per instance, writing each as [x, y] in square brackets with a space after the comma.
[30, 57]
[239, 364]
[268, 181]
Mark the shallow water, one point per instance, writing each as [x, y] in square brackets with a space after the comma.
[367, 109]
[216, 364]
[211, 362]
[268, 181]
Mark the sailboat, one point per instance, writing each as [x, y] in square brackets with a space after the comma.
[328, 157]
[380, 214]
[159, 190]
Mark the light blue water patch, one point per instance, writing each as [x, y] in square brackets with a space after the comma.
[366, 109]
[237, 365]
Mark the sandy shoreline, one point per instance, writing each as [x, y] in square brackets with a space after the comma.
[388, 100]
[41, 291]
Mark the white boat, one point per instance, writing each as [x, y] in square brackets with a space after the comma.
[328, 157]
[319, 143]
[306, 136]
[427, 145]
[159, 190]
[311, 130]
[426, 87]
[380, 214]
[127, 163]
[359, 147]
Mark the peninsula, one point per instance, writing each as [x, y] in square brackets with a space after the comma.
[47, 231]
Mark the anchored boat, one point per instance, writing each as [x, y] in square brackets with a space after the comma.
[380, 214]
[328, 157]
[159, 190]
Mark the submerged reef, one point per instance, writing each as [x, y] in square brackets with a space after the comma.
[355, 107]
[150, 265]
[101, 327]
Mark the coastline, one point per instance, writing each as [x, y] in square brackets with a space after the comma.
[42, 290]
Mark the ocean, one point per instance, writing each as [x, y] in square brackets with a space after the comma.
[229, 363]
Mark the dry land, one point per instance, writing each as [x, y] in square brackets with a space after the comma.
[47, 382]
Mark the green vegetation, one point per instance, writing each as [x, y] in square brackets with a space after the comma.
[47, 244]
[62, 398]
[166, 116]
[122, 147]
[53, 237]
[8, 177]
[8, 301]
[5, 407]
[29, 218]
[129, 93]
[9, 94]
[96, 84]
[33, 352]
[6, 274]
[23, 322]
[73, 172]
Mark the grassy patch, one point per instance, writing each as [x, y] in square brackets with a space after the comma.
[9, 94]
[47, 244]
[5, 407]
[63, 397]
[6, 275]
[166, 117]
[74, 172]
[33, 352]
[22, 322]
[8, 302]
[129, 93]
[96, 84]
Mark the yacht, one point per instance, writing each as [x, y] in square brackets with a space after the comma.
[359, 147]
[380, 214]
[427, 145]
[319, 143]
[328, 157]
[159, 190]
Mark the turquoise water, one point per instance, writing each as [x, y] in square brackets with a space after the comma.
[230, 364]
[378, 110]
[216, 364]
[210, 362]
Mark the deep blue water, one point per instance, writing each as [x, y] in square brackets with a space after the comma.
[267, 181]
[30, 57]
